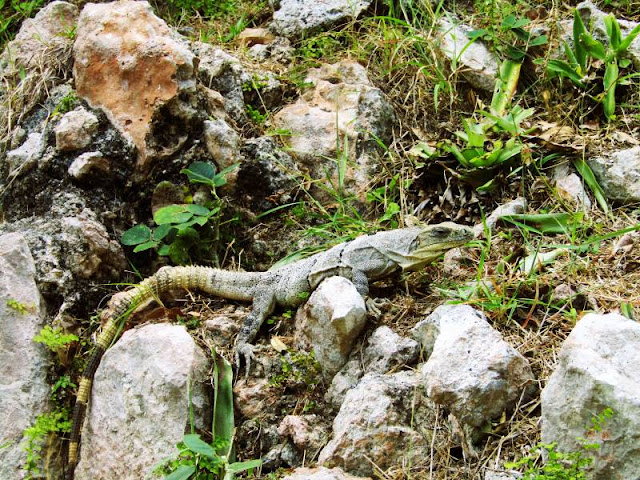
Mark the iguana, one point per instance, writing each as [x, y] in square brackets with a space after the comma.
[362, 260]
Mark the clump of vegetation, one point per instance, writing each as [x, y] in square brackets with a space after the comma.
[54, 339]
[46, 427]
[189, 231]
[12, 12]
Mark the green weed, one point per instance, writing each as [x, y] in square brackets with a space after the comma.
[54, 339]
[18, 306]
[45, 428]
[188, 230]
[12, 13]
[298, 369]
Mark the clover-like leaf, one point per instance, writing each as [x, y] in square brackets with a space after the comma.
[136, 235]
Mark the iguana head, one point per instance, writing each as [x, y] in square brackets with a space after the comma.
[431, 241]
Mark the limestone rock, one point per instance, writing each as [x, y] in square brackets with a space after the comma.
[88, 166]
[24, 392]
[305, 431]
[618, 174]
[570, 186]
[298, 18]
[225, 74]
[342, 105]
[75, 130]
[375, 422]
[24, 158]
[222, 142]
[267, 174]
[129, 63]
[515, 206]
[343, 381]
[331, 320]
[387, 350]
[479, 66]
[470, 368]
[598, 367]
[140, 402]
[321, 473]
[43, 39]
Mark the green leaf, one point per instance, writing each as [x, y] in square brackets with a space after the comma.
[136, 235]
[220, 179]
[545, 222]
[592, 46]
[590, 179]
[162, 231]
[223, 415]
[183, 472]
[163, 251]
[540, 40]
[626, 43]
[612, 27]
[579, 30]
[200, 172]
[610, 81]
[146, 246]
[238, 467]
[172, 214]
[197, 209]
[563, 69]
[199, 446]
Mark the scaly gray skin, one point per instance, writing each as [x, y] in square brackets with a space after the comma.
[367, 258]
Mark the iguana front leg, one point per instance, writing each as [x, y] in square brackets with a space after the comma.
[264, 302]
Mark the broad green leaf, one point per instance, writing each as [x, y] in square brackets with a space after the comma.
[590, 179]
[624, 63]
[146, 246]
[197, 209]
[505, 86]
[221, 178]
[545, 222]
[238, 467]
[183, 472]
[626, 43]
[223, 416]
[172, 214]
[200, 172]
[579, 30]
[163, 251]
[562, 68]
[136, 235]
[570, 55]
[592, 46]
[162, 231]
[541, 40]
[610, 80]
[613, 31]
[199, 446]
[178, 252]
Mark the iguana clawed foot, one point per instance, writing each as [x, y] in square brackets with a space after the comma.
[244, 351]
[374, 304]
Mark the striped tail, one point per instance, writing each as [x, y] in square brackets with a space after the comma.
[120, 307]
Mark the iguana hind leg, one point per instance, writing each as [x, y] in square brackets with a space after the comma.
[264, 303]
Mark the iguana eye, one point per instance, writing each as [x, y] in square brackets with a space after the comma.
[441, 231]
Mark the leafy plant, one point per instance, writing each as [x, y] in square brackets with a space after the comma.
[562, 465]
[54, 338]
[18, 306]
[586, 47]
[45, 427]
[511, 38]
[298, 369]
[184, 230]
[12, 13]
[199, 459]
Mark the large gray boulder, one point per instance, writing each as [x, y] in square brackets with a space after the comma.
[23, 390]
[140, 402]
[618, 174]
[598, 368]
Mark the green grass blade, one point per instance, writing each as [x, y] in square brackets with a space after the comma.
[612, 27]
[543, 223]
[626, 43]
[183, 472]
[578, 30]
[590, 179]
[563, 69]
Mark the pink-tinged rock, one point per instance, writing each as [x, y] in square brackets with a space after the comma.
[129, 63]
[75, 130]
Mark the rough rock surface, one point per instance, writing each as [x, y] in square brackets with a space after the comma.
[129, 63]
[570, 186]
[24, 391]
[598, 368]
[295, 18]
[387, 350]
[266, 175]
[140, 402]
[321, 473]
[342, 105]
[89, 166]
[330, 321]
[223, 143]
[618, 174]
[479, 66]
[375, 422]
[24, 158]
[75, 130]
[470, 368]
[225, 74]
[306, 432]
[42, 40]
